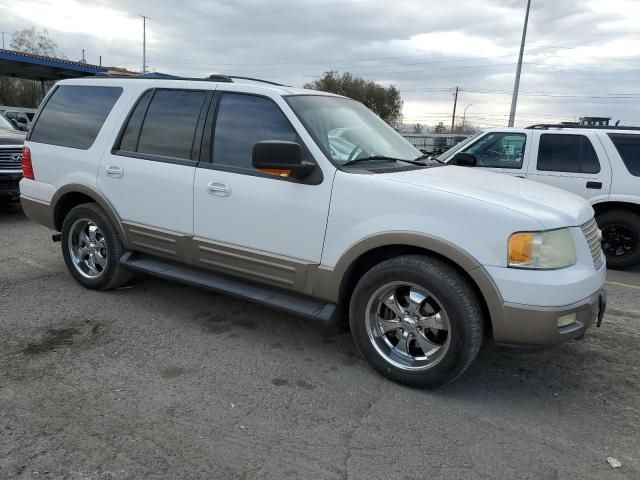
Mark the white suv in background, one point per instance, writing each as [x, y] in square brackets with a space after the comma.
[601, 164]
[248, 189]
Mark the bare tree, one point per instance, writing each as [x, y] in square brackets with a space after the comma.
[35, 41]
[20, 92]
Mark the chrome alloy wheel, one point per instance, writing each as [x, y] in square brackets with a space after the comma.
[87, 248]
[408, 326]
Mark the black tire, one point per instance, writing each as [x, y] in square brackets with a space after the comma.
[455, 295]
[613, 223]
[113, 274]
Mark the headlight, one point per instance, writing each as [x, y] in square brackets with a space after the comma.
[542, 250]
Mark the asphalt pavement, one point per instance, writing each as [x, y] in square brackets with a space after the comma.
[164, 381]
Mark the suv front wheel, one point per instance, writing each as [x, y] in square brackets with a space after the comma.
[91, 248]
[416, 320]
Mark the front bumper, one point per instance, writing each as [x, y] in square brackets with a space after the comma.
[537, 327]
[9, 186]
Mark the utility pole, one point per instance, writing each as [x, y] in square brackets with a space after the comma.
[83, 60]
[455, 104]
[3, 39]
[144, 43]
[516, 85]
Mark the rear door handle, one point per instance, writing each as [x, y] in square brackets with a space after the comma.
[594, 185]
[218, 189]
[114, 171]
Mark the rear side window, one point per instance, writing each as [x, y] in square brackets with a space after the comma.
[242, 121]
[131, 134]
[74, 115]
[567, 153]
[170, 125]
[628, 147]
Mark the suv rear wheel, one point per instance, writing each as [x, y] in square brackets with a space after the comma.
[91, 248]
[620, 237]
[416, 320]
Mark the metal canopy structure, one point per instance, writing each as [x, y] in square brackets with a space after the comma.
[38, 67]
[43, 68]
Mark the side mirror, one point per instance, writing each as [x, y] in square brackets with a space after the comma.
[278, 157]
[464, 160]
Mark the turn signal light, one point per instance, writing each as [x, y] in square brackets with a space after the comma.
[27, 167]
[521, 248]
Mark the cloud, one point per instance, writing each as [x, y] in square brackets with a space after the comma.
[579, 54]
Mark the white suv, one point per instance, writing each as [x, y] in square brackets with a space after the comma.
[248, 189]
[601, 164]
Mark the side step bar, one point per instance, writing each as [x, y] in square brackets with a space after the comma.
[326, 313]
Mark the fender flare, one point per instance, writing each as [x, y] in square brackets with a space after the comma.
[92, 193]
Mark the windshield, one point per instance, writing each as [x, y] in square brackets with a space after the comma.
[347, 130]
[446, 156]
[5, 124]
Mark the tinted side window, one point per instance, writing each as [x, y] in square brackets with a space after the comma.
[170, 124]
[499, 150]
[628, 147]
[131, 133]
[242, 121]
[567, 153]
[74, 115]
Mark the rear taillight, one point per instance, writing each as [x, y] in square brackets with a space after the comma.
[27, 167]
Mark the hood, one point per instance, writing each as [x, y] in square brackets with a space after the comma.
[12, 137]
[553, 207]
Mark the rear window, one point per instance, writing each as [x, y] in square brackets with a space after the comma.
[628, 147]
[74, 115]
[567, 153]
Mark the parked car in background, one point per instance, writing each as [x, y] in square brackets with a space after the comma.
[309, 203]
[19, 116]
[601, 164]
[11, 141]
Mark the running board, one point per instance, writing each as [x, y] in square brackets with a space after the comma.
[323, 312]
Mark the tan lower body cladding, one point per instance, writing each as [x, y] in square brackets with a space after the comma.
[271, 269]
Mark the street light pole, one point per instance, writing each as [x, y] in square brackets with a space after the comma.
[144, 44]
[516, 85]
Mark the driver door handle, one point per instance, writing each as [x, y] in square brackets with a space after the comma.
[218, 189]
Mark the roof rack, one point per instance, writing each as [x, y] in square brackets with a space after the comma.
[255, 80]
[547, 126]
[216, 77]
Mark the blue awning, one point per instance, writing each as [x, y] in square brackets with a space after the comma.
[40, 67]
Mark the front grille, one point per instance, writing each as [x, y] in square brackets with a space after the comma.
[10, 158]
[594, 239]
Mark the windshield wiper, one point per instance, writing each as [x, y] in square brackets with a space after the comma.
[379, 158]
[427, 156]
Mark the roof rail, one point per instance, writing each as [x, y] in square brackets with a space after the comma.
[547, 126]
[255, 80]
[216, 77]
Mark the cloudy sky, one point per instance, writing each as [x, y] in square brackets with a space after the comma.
[582, 56]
